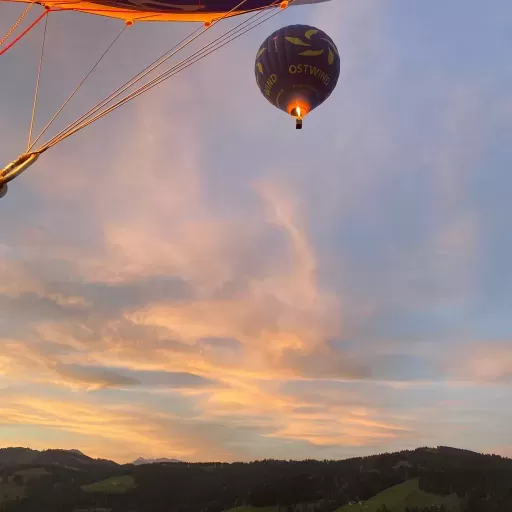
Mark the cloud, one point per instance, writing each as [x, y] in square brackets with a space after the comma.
[101, 425]
[326, 364]
[192, 278]
[100, 378]
[94, 377]
[483, 363]
[36, 307]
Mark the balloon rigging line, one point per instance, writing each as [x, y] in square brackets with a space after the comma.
[86, 119]
[167, 55]
[16, 24]
[171, 72]
[77, 88]
[39, 68]
[83, 121]
[25, 32]
[120, 90]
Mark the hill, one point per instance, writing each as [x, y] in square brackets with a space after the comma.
[407, 481]
[141, 460]
[114, 484]
[401, 497]
[12, 457]
[398, 498]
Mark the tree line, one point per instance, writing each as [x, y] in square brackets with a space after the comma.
[483, 484]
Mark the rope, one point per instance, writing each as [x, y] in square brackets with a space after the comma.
[77, 88]
[37, 84]
[20, 19]
[163, 58]
[25, 32]
[185, 63]
[161, 78]
[120, 90]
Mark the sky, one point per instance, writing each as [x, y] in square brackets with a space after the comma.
[191, 277]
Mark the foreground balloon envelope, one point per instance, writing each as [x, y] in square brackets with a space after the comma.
[163, 10]
[169, 10]
[297, 68]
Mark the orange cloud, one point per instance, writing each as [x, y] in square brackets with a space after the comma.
[125, 429]
[483, 362]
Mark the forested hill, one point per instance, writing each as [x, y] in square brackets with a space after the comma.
[71, 481]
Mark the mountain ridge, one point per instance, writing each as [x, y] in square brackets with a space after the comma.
[13, 456]
[141, 460]
[17, 456]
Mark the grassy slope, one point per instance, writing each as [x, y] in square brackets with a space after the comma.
[254, 509]
[115, 484]
[407, 494]
[396, 498]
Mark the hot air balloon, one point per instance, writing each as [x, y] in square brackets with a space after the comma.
[297, 68]
[207, 12]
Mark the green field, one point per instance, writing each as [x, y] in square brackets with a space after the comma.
[396, 498]
[400, 496]
[253, 509]
[112, 485]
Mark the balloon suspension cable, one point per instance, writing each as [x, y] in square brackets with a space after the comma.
[92, 115]
[185, 63]
[43, 131]
[19, 20]
[62, 134]
[81, 121]
[25, 32]
[39, 68]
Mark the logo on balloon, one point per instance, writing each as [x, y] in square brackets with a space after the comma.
[312, 52]
[258, 64]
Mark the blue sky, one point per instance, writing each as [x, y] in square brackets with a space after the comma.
[191, 277]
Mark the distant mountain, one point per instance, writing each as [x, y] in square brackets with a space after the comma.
[142, 460]
[74, 459]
